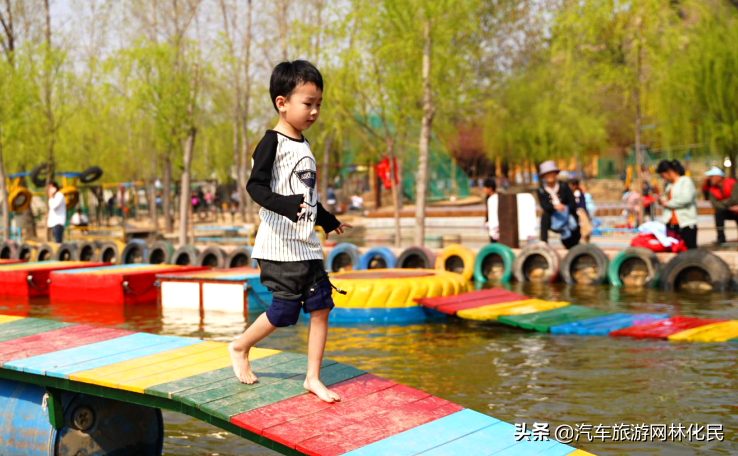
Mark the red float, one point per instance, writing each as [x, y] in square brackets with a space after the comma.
[30, 280]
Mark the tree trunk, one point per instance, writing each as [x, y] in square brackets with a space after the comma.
[395, 192]
[166, 194]
[184, 197]
[639, 164]
[5, 205]
[732, 156]
[246, 205]
[425, 134]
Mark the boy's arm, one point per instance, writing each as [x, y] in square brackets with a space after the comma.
[259, 187]
[326, 220]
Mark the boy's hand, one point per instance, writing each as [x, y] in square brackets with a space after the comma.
[340, 228]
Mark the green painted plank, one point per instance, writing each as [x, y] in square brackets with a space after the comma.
[277, 392]
[28, 327]
[232, 386]
[542, 321]
[201, 381]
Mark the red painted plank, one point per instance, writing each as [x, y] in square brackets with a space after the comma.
[343, 414]
[662, 329]
[297, 407]
[451, 309]
[58, 339]
[378, 427]
[437, 301]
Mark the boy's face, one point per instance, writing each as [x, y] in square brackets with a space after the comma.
[302, 108]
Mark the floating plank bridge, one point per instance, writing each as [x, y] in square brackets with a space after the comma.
[523, 312]
[375, 417]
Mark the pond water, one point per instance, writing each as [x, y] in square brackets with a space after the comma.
[512, 375]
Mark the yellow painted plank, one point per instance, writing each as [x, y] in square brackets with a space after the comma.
[8, 318]
[89, 376]
[223, 360]
[580, 453]
[493, 311]
[715, 332]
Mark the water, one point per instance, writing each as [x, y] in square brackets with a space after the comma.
[512, 375]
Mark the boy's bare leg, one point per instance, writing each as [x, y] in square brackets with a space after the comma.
[317, 334]
[239, 349]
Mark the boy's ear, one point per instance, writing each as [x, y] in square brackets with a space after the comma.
[280, 102]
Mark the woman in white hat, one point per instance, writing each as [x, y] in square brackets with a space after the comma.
[723, 195]
[559, 206]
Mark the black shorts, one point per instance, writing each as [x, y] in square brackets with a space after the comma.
[295, 286]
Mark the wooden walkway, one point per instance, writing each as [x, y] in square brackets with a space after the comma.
[375, 417]
[523, 312]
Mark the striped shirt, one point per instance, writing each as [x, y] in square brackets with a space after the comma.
[283, 176]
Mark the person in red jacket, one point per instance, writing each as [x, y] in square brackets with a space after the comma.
[723, 195]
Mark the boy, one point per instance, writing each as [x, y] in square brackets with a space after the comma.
[282, 182]
[492, 221]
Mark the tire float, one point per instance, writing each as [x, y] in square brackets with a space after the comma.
[537, 263]
[46, 252]
[494, 262]
[68, 251]
[27, 251]
[136, 252]
[109, 252]
[388, 295]
[696, 271]
[20, 199]
[9, 250]
[89, 251]
[456, 258]
[240, 257]
[160, 252]
[213, 257]
[185, 255]
[378, 258]
[416, 258]
[343, 257]
[634, 267]
[584, 264]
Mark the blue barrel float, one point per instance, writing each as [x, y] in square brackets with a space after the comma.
[88, 425]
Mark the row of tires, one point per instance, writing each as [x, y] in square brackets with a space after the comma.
[694, 270]
[135, 251]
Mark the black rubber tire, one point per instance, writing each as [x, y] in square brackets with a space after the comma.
[240, 257]
[342, 258]
[185, 255]
[109, 252]
[631, 259]
[68, 251]
[212, 256]
[538, 252]
[71, 196]
[160, 252]
[592, 255]
[27, 251]
[9, 250]
[20, 199]
[91, 174]
[713, 269]
[46, 252]
[89, 250]
[416, 258]
[135, 252]
[38, 175]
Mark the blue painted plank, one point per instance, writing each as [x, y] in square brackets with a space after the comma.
[493, 438]
[69, 357]
[429, 435]
[601, 326]
[559, 449]
[529, 448]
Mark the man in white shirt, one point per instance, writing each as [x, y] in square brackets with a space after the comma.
[57, 212]
[492, 221]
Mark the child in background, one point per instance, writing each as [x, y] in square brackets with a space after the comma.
[491, 219]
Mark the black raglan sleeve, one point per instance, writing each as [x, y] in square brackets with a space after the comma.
[545, 201]
[326, 220]
[259, 187]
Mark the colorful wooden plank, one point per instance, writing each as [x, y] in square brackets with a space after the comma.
[601, 326]
[469, 297]
[378, 427]
[9, 318]
[297, 407]
[211, 379]
[662, 329]
[579, 453]
[534, 447]
[542, 321]
[55, 340]
[28, 326]
[491, 439]
[428, 436]
[493, 312]
[63, 362]
[451, 309]
[716, 332]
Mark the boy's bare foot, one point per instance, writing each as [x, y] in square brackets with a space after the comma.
[319, 389]
[241, 366]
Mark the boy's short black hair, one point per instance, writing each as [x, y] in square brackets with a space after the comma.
[54, 184]
[288, 75]
[490, 183]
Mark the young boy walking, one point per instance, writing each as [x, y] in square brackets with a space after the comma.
[290, 257]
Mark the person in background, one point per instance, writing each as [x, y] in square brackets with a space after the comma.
[585, 224]
[559, 206]
[648, 199]
[79, 219]
[491, 219]
[722, 193]
[679, 201]
[57, 216]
